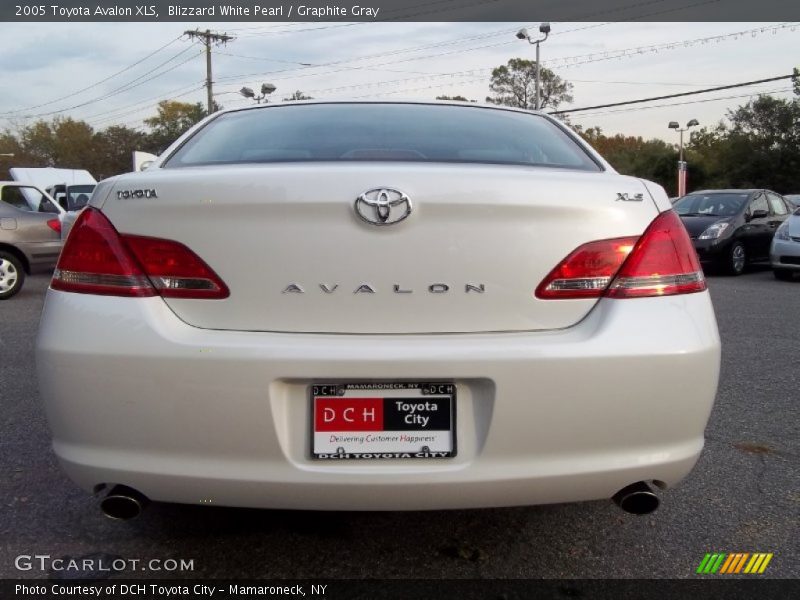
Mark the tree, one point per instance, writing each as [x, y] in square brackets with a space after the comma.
[172, 120]
[65, 143]
[454, 98]
[514, 84]
[9, 144]
[651, 159]
[113, 150]
[38, 140]
[298, 95]
[73, 144]
[758, 147]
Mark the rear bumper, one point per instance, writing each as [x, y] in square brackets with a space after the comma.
[135, 396]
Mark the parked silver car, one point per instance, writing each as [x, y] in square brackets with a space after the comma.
[784, 253]
[30, 234]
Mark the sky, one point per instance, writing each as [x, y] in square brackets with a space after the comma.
[115, 73]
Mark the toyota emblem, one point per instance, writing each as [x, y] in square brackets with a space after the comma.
[383, 206]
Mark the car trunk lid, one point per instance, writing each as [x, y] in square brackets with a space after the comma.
[297, 257]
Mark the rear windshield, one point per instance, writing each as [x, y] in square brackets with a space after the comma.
[382, 132]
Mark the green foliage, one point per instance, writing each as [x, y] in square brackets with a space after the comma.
[759, 147]
[70, 144]
[113, 150]
[514, 84]
[651, 159]
[172, 120]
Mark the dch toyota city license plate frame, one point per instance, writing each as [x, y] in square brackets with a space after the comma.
[383, 420]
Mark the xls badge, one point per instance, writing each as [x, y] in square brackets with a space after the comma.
[625, 197]
[383, 206]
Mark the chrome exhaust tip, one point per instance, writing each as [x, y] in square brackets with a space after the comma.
[637, 499]
[123, 503]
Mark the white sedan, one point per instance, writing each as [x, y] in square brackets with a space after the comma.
[378, 306]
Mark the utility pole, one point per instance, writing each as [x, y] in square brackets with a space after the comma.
[208, 37]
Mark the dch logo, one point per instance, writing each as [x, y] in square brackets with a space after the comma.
[367, 415]
[348, 414]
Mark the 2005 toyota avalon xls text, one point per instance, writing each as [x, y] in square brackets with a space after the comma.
[377, 306]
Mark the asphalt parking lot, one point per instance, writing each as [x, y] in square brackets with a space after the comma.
[743, 496]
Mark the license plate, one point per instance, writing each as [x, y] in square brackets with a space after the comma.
[370, 421]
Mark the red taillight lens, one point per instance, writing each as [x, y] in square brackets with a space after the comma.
[587, 271]
[660, 263]
[55, 225]
[97, 260]
[663, 263]
[94, 261]
[174, 270]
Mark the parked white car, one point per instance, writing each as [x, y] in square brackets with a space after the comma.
[784, 253]
[362, 306]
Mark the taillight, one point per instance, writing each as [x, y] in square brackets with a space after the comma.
[98, 260]
[94, 261]
[587, 271]
[661, 262]
[174, 270]
[55, 225]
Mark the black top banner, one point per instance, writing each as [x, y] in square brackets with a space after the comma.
[397, 10]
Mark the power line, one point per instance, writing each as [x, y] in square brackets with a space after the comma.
[580, 59]
[96, 83]
[305, 64]
[109, 121]
[607, 55]
[496, 33]
[654, 98]
[627, 110]
[655, 48]
[138, 102]
[586, 58]
[140, 106]
[606, 82]
[142, 79]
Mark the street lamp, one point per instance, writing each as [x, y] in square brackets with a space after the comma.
[523, 34]
[266, 90]
[682, 163]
